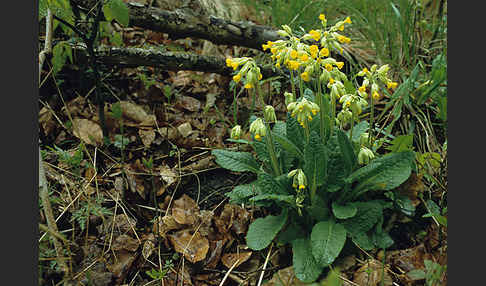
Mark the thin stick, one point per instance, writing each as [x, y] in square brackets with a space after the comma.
[229, 271]
[265, 265]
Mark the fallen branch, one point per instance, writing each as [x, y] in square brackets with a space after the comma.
[182, 23]
[175, 61]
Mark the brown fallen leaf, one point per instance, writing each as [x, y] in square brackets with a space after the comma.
[125, 242]
[371, 274]
[122, 263]
[147, 249]
[168, 175]
[285, 277]
[165, 224]
[184, 210]
[215, 255]
[188, 103]
[133, 112]
[194, 247]
[147, 136]
[46, 120]
[229, 259]
[185, 129]
[409, 259]
[88, 131]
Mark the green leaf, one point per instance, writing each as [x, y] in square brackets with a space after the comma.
[363, 240]
[401, 143]
[315, 164]
[336, 170]
[344, 211]
[291, 232]
[288, 146]
[269, 185]
[306, 268]
[263, 230]
[241, 193]
[42, 9]
[350, 159]
[385, 173]
[327, 241]
[116, 9]
[319, 210]
[382, 240]
[294, 132]
[367, 216]
[236, 161]
[359, 129]
[274, 197]
[416, 274]
[60, 53]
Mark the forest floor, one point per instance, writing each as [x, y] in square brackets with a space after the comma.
[150, 209]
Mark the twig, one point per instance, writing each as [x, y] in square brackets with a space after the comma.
[43, 188]
[265, 265]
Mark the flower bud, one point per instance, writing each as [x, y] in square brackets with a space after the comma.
[269, 114]
[236, 132]
[258, 128]
[365, 155]
[364, 138]
[287, 29]
[289, 97]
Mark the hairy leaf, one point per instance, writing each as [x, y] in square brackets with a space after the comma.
[315, 164]
[306, 267]
[241, 193]
[367, 216]
[344, 211]
[236, 161]
[327, 241]
[263, 230]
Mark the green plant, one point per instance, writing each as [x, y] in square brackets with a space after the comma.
[433, 273]
[318, 172]
[88, 208]
[159, 274]
[73, 159]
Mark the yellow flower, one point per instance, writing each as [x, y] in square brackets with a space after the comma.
[229, 62]
[258, 137]
[304, 57]
[340, 65]
[392, 85]
[324, 52]
[234, 65]
[273, 50]
[237, 78]
[362, 88]
[316, 35]
[294, 65]
[376, 95]
[343, 39]
[248, 85]
[265, 47]
[347, 20]
[277, 65]
[314, 111]
[259, 76]
[293, 54]
[328, 67]
[341, 28]
[313, 51]
[305, 76]
[322, 17]
[365, 70]
[331, 80]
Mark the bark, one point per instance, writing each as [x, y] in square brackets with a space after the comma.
[175, 61]
[195, 23]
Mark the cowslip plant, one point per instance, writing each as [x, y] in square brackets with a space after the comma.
[317, 172]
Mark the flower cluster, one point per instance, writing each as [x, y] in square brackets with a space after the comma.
[371, 79]
[258, 128]
[250, 73]
[300, 180]
[304, 110]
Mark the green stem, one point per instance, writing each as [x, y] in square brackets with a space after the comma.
[292, 83]
[372, 115]
[333, 115]
[234, 106]
[271, 151]
[301, 87]
[352, 126]
[320, 102]
[260, 95]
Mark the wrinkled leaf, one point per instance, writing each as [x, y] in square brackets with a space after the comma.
[117, 10]
[327, 241]
[344, 211]
[229, 259]
[263, 230]
[305, 266]
[236, 161]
